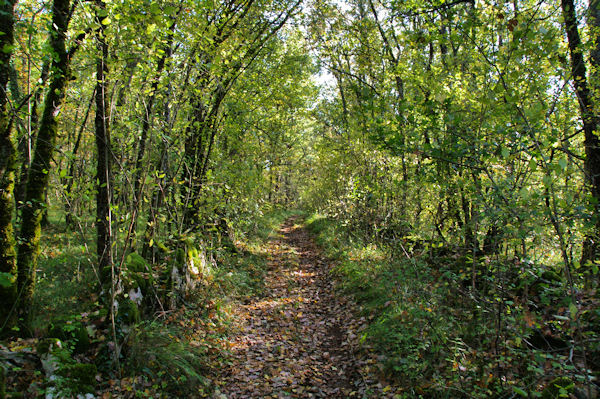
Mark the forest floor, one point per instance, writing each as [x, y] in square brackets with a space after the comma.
[301, 338]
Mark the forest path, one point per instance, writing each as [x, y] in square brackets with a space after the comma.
[299, 340]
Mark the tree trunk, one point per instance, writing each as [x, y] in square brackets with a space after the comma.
[591, 246]
[8, 264]
[198, 149]
[103, 162]
[21, 186]
[29, 236]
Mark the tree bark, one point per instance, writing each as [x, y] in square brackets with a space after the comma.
[103, 161]
[197, 152]
[8, 166]
[589, 117]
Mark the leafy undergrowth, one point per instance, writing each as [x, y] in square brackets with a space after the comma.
[511, 336]
[162, 353]
[66, 278]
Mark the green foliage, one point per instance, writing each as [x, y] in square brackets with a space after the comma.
[444, 151]
[559, 387]
[71, 332]
[161, 353]
[66, 281]
[80, 377]
[434, 335]
[67, 376]
[7, 279]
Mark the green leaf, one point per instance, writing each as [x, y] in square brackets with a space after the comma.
[7, 279]
[8, 48]
[562, 163]
[505, 152]
[573, 311]
[524, 193]
[547, 180]
[532, 164]
[521, 392]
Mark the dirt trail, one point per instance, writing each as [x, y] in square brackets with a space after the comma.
[299, 339]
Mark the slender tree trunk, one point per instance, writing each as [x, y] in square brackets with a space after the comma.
[588, 115]
[29, 236]
[69, 219]
[594, 22]
[149, 252]
[194, 152]
[198, 150]
[103, 162]
[8, 264]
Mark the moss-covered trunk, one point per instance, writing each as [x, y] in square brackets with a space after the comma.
[31, 217]
[8, 265]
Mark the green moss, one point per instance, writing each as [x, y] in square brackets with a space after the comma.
[551, 275]
[47, 345]
[8, 165]
[37, 181]
[81, 377]
[139, 274]
[136, 263]
[129, 312]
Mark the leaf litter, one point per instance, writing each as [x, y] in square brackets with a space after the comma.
[302, 338]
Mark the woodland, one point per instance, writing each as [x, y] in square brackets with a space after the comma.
[299, 199]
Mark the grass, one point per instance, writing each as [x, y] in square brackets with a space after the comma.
[65, 281]
[392, 295]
